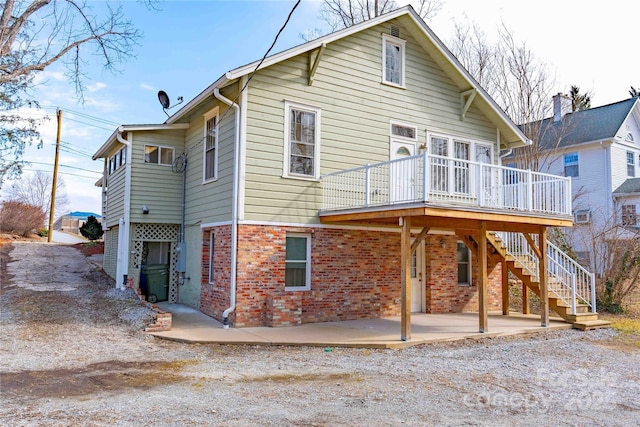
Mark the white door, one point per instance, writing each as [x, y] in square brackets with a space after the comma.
[418, 301]
[402, 179]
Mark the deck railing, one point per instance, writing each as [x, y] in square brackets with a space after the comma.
[567, 279]
[427, 178]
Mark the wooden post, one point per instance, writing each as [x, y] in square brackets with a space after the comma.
[405, 260]
[54, 182]
[483, 278]
[525, 299]
[505, 288]
[542, 270]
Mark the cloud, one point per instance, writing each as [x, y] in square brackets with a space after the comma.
[96, 87]
[146, 86]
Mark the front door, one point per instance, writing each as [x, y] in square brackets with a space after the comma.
[402, 180]
[418, 301]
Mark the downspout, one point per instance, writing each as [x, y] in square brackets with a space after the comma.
[122, 268]
[607, 172]
[234, 208]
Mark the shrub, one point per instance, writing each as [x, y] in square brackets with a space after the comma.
[92, 229]
[20, 218]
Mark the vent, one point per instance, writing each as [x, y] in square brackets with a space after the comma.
[395, 31]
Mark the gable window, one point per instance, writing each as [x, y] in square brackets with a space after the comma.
[393, 59]
[211, 252]
[629, 216]
[158, 155]
[302, 141]
[571, 167]
[631, 164]
[629, 137]
[464, 264]
[210, 159]
[297, 276]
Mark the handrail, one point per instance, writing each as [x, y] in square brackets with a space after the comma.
[566, 278]
[447, 181]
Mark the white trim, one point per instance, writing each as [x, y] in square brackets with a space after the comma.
[387, 38]
[469, 265]
[288, 106]
[160, 148]
[328, 226]
[307, 286]
[214, 224]
[213, 113]
[212, 238]
[451, 139]
[244, 101]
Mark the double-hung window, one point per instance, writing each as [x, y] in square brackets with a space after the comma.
[571, 167]
[631, 164]
[297, 276]
[210, 166]
[393, 62]
[302, 141]
[464, 264]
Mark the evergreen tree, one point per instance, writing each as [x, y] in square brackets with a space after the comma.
[92, 229]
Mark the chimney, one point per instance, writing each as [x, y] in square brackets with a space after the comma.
[561, 106]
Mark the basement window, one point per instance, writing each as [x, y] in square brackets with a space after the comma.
[297, 276]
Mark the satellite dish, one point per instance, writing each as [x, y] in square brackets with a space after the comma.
[164, 99]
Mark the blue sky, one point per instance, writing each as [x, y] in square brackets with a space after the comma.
[189, 44]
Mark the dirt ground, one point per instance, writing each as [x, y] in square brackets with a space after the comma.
[72, 353]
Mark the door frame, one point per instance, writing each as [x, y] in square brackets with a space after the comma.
[419, 280]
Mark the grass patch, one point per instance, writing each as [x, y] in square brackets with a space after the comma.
[624, 325]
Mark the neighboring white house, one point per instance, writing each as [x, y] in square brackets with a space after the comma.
[599, 149]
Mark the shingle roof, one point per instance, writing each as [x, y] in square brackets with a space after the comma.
[630, 186]
[594, 124]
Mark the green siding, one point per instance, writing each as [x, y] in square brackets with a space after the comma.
[356, 109]
[154, 185]
[115, 197]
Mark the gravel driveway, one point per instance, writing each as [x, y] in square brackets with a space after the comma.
[72, 354]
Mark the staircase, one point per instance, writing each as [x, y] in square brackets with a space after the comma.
[571, 288]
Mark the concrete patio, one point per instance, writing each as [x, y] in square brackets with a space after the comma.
[191, 326]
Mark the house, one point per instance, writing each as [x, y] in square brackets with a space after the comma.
[72, 221]
[599, 149]
[354, 176]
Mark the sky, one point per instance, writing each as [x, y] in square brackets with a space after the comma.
[187, 45]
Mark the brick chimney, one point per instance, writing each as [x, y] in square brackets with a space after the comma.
[561, 106]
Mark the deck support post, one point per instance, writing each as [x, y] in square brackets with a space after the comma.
[405, 261]
[542, 273]
[526, 308]
[505, 287]
[483, 278]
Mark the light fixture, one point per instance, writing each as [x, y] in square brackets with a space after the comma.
[145, 210]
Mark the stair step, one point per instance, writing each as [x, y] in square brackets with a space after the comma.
[589, 325]
[582, 317]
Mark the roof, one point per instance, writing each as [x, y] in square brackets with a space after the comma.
[514, 136]
[595, 124]
[103, 151]
[82, 215]
[630, 186]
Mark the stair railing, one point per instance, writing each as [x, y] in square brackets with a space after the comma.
[566, 278]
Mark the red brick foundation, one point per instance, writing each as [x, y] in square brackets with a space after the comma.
[355, 274]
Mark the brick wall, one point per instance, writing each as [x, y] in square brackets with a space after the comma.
[214, 297]
[355, 274]
[443, 293]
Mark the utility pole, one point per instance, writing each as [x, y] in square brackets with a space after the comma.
[55, 177]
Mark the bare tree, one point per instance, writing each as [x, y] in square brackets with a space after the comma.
[339, 14]
[35, 34]
[35, 190]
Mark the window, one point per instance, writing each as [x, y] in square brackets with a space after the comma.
[629, 217]
[571, 165]
[583, 216]
[403, 131]
[393, 60]
[464, 265]
[211, 251]
[297, 276]
[302, 141]
[210, 166]
[629, 137]
[158, 155]
[631, 164]
[123, 156]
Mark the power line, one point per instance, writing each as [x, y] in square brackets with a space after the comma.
[60, 172]
[67, 166]
[235, 101]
